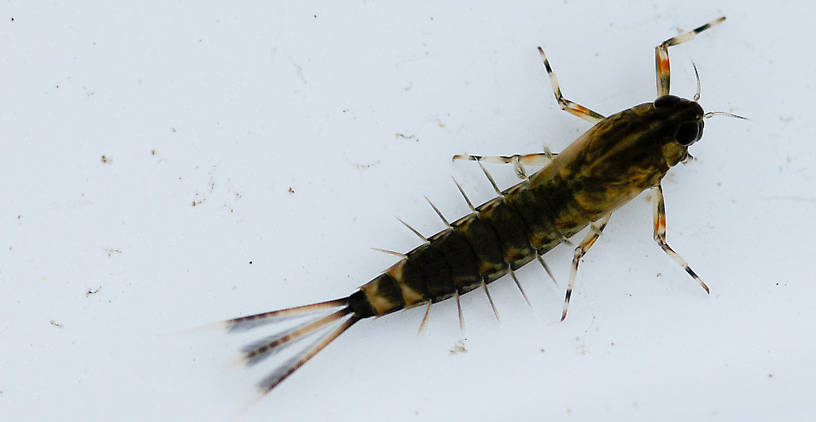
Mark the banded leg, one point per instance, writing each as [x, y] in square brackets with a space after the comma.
[662, 55]
[595, 231]
[567, 105]
[660, 235]
[536, 159]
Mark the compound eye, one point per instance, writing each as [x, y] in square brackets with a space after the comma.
[689, 132]
[666, 101]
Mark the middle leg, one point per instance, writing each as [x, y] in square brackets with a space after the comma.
[536, 159]
[567, 105]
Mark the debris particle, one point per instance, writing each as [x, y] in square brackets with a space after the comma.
[152, 152]
[172, 128]
[250, 262]
[458, 347]
[786, 119]
[543, 350]
[111, 251]
[291, 190]
[105, 159]
[364, 166]
[581, 346]
[92, 291]
[770, 375]
[408, 137]
[19, 216]
[659, 275]
[55, 323]
[611, 344]
[195, 203]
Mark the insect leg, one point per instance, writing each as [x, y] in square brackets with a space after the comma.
[595, 232]
[566, 104]
[660, 235]
[536, 159]
[662, 55]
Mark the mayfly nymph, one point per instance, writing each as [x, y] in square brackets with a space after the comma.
[614, 161]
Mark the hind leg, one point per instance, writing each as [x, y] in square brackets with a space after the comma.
[660, 235]
[595, 230]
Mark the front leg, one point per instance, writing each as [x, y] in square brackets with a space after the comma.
[567, 105]
[662, 68]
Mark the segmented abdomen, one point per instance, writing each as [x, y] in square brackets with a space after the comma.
[503, 234]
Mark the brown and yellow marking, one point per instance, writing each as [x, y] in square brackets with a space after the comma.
[384, 294]
[409, 295]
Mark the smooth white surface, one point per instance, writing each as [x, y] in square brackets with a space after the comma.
[240, 102]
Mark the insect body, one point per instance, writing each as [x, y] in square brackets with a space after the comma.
[614, 161]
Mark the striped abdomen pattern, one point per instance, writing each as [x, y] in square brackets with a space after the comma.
[502, 234]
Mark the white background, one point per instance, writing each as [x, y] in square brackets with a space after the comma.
[230, 105]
